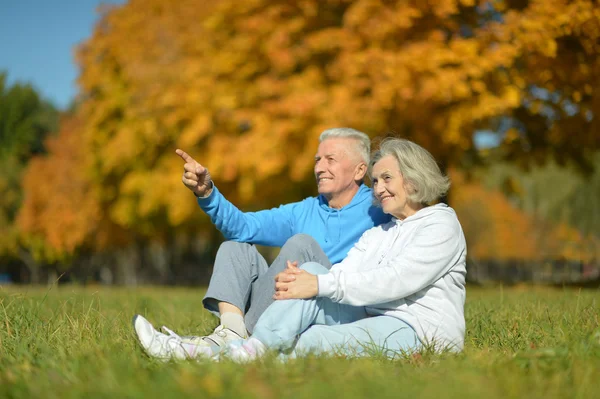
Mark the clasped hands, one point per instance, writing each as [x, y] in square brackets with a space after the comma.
[295, 283]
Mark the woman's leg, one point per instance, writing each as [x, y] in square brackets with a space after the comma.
[282, 322]
[302, 248]
[378, 334]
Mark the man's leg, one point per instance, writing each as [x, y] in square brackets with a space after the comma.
[301, 248]
[237, 266]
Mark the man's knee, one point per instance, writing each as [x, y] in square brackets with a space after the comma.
[300, 241]
[314, 268]
[229, 247]
[232, 245]
[235, 255]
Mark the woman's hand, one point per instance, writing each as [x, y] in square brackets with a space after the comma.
[295, 283]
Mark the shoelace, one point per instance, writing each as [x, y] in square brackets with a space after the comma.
[172, 343]
[172, 339]
[220, 331]
[185, 338]
[176, 339]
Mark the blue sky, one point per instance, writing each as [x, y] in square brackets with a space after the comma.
[37, 42]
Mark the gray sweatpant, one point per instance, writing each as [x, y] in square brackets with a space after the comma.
[242, 277]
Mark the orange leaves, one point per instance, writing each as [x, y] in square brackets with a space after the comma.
[329, 39]
[495, 229]
[376, 21]
[246, 87]
[198, 128]
[60, 204]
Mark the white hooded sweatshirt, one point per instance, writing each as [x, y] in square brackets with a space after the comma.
[412, 269]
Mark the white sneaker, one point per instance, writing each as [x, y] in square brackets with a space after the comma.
[220, 337]
[246, 351]
[166, 347]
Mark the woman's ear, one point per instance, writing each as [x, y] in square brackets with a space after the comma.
[409, 187]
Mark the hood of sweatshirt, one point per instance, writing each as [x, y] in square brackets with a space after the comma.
[426, 212]
[364, 193]
[334, 228]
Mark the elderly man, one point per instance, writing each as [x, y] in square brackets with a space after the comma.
[319, 229]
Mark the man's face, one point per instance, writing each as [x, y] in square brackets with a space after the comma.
[336, 166]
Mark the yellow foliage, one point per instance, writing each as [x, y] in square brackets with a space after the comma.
[497, 230]
[246, 87]
[60, 211]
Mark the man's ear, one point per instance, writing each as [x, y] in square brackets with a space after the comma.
[360, 172]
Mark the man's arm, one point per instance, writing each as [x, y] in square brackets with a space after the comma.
[272, 227]
[269, 227]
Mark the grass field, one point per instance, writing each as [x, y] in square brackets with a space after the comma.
[78, 342]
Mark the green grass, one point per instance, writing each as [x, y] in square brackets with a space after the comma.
[78, 342]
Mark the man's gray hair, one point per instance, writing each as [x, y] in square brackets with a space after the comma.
[363, 142]
[424, 179]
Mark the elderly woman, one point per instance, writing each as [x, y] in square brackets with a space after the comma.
[401, 286]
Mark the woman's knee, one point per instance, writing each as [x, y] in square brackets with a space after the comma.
[314, 268]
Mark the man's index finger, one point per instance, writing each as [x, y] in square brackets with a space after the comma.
[184, 155]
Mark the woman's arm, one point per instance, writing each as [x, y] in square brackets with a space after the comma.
[433, 251]
[295, 283]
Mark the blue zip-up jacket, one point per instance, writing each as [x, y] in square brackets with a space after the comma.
[336, 230]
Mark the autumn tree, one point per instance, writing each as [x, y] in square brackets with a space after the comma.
[583, 202]
[60, 212]
[246, 87]
[61, 219]
[550, 192]
[497, 229]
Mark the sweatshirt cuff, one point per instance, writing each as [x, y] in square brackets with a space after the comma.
[326, 285]
[209, 199]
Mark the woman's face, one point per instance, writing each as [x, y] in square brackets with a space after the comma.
[390, 189]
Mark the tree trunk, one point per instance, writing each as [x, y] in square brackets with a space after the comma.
[52, 276]
[32, 266]
[128, 260]
[159, 256]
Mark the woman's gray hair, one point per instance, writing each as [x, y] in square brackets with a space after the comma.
[424, 179]
[363, 142]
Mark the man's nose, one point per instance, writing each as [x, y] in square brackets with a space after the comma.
[319, 167]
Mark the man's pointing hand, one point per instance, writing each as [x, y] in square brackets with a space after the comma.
[195, 176]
